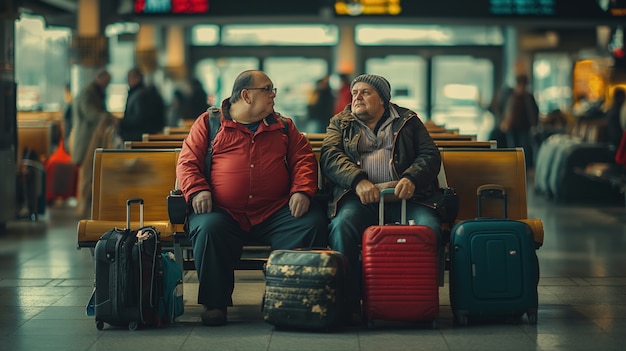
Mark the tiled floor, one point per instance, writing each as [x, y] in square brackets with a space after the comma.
[45, 283]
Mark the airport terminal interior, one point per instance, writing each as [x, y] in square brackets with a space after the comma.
[449, 62]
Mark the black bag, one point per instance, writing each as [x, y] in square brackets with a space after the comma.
[445, 202]
[127, 276]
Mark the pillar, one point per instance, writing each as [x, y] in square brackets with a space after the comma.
[89, 45]
[175, 52]
[146, 51]
[345, 52]
[8, 113]
[510, 59]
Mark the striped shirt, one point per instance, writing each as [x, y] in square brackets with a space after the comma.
[376, 149]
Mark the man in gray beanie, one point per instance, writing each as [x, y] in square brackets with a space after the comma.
[379, 83]
[371, 145]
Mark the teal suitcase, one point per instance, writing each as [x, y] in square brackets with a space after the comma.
[493, 267]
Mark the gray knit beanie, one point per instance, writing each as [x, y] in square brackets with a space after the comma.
[379, 83]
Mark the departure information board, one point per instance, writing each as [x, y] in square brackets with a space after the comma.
[368, 7]
[522, 7]
[171, 6]
[587, 10]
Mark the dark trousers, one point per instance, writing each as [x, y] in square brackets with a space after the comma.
[218, 241]
[521, 138]
[346, 231]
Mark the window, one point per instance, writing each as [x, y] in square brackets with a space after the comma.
[277, 34]
[40, 83]
[206, 34]
[378, 35]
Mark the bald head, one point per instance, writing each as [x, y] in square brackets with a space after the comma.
[244, 79]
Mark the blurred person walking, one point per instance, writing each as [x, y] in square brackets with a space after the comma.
[520, 118]
[344, 95]
[197, 101]
[320, 107]
[144, 109]
[92, 126]
[614, 126]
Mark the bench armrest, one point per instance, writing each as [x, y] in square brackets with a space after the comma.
[176, 207]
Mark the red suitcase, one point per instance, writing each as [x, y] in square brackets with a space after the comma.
[400, 275]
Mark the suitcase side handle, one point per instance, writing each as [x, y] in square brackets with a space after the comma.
[129, 202]
[381, 207]
[492, 191]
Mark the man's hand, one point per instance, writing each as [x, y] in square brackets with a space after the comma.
[299, 204]
[386, 185]
[405, 189]
[202, 202]
[367, 192]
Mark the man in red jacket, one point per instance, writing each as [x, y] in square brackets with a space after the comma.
[260, 186]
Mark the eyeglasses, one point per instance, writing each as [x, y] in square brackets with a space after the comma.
[268, 89]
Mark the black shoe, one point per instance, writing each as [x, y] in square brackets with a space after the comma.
[213, 317]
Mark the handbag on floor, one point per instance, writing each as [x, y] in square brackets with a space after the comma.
[444, 200]
[172, 305]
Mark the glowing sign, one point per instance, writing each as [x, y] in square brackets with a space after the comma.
[522, 7]
[171, 6]
[367, 7]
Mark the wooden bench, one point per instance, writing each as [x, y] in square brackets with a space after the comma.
[491, 144]
[315, 144]
[315, 136]
[163, 137]
[451, 136]
[466, 169]
[176, 130]
[122, 174]
[36, 136]
[131, 144]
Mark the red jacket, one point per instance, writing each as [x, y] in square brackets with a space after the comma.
[252, 175]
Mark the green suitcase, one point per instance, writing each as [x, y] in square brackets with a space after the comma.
[494, 270]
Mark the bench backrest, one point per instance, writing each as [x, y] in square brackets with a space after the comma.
[131, 144]
[36, 136]
[176, 130]
[492, 144]
[467, 169]
[163, 137]
[123, 174]
[451, 136]
[315, 136]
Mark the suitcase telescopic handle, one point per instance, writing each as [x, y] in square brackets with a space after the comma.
[492, 191]
[381, 207]
[129, 202]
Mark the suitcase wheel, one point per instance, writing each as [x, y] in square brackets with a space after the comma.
[99, 325]
[132, 325]
[435, 323]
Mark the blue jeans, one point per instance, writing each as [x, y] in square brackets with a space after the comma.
[218, 241]
[347, 228]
